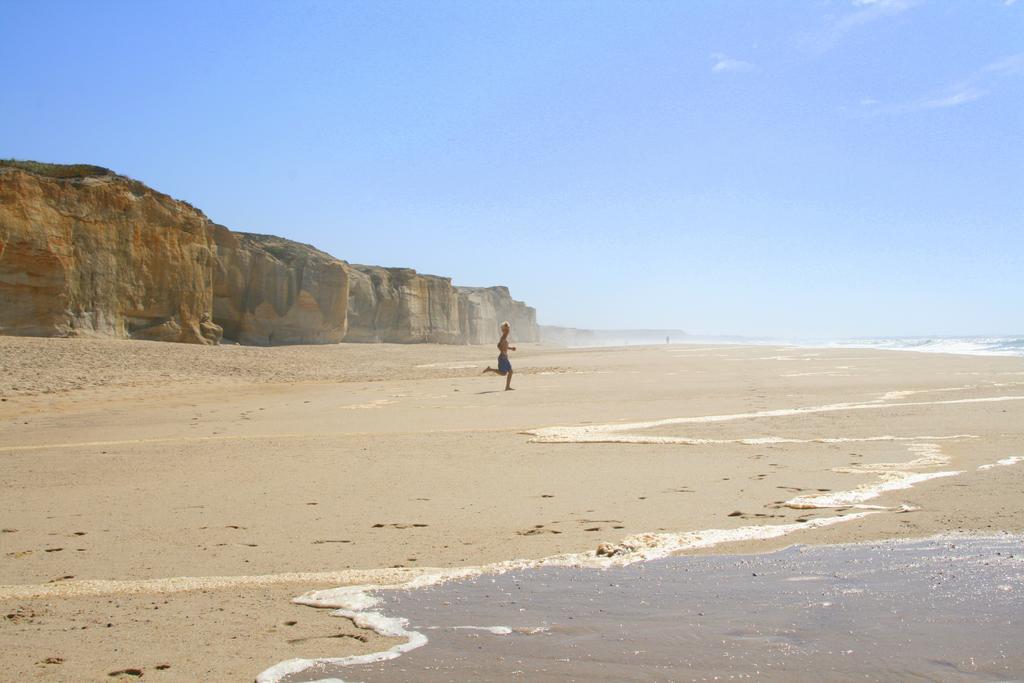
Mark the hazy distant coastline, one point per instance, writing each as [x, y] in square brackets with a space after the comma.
[579, 337]
[1010, 345]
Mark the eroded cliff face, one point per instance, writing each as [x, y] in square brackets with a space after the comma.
[483, 309]
[84, 251]
[401, 306]
[102, 255]
[268, 290]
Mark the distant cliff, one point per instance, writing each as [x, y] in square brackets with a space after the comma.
[84, 251]
[400, 305]
[483, 309]
[270, 291]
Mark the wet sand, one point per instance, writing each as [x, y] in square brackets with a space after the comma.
[137, 473]
[941, 610]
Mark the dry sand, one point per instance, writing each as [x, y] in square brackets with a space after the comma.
[127, 463]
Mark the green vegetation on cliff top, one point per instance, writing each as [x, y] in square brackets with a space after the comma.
[57, 170]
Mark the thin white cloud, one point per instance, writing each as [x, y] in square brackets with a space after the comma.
[1007, 66]
[726, 63]
[864, 12]
[971, 89]
[954, 99]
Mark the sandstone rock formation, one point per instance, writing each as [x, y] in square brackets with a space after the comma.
[268, 290]
[85, 251]
[104, 255]
[400, 305]
[483, 309]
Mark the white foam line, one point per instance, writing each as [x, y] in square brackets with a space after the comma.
[170, 439]
[228, 437]
[894, 476]
[637, 548]
[450, 366]
[931, 456]
[653, 545]
[1012, 460]
[181, 584]
[572, 432]
[752, 441]
[903, 393]
[394, 627]
[493, 630]
[891, 481]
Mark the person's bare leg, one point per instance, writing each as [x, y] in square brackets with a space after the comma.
[508, 381]
[490, 369]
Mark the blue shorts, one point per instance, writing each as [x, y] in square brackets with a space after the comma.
[503, 364]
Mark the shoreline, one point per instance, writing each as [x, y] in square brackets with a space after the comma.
[736, 609]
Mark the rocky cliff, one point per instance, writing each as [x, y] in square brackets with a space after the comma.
[483, 309]
[268, 290]
[401, 305]
[86, 251]
[101, 254]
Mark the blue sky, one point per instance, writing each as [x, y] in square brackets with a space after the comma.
[817, 169]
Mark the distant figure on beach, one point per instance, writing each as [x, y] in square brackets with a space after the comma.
[504, 366]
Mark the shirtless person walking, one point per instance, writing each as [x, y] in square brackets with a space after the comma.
[504, 367]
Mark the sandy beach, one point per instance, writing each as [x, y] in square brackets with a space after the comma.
[163, 503]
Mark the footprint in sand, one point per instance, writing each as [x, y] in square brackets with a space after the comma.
[398, 526]
[538, 530]
[616, 523]
[751, 515]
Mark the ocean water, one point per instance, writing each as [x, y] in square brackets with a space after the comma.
[974, 346]
[941, 609]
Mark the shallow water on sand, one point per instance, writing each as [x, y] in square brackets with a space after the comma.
[940, 609]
